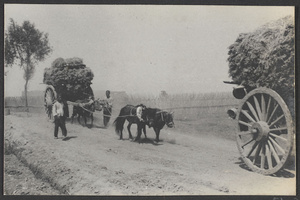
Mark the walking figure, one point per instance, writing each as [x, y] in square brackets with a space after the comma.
[60, 113]
[107, 108]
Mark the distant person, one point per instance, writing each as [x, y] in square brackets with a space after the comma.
[163, 95]
[107, 108]
[60, 113]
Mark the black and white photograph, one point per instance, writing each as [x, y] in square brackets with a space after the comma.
[149, 100]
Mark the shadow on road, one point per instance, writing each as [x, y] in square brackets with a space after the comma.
[96, 126]
[148, 141]
[243, 165]
[69, 137]
[284, 174]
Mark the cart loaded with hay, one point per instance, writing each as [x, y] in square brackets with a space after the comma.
[68, 77]
[261, 64]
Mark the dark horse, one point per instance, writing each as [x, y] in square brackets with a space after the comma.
[82, 109]
[157, 119]
[128, 113]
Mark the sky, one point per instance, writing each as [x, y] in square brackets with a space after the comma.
[141, 49]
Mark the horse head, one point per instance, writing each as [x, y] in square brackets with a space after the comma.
[99, 104]
[169, 119]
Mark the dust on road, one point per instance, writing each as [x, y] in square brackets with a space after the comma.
[95, 162]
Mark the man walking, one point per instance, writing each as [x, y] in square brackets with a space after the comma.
[60, 113]
[107, 108]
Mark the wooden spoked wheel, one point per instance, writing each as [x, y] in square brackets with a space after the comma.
[265, 131]
[49, 98]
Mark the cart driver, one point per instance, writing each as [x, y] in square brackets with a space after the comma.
[139, 111]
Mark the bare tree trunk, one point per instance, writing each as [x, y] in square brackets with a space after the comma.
[25, 91]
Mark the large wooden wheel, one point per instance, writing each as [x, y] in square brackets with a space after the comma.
[49, 98]
[265, 131]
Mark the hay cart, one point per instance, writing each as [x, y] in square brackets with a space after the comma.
[52, 90]
[265, 128]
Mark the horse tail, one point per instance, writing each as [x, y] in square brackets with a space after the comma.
[119, 123]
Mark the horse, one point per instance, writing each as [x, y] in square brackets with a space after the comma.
[99, 104]
[128, 113]
[157, 119]
[83, 110]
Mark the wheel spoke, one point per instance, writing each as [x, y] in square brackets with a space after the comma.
[263, 108]
[268, 108]
[252, 149]
[256, 153]
[247, 143]
[277, 136]
[245, 133]
[245, 123]
[248, 116]
[269, 158]
[257, 106]
[272, 114]
[252, 111]
[277, 145]
[274, 153]
[262, 158]
[278, 129]
[276, 120]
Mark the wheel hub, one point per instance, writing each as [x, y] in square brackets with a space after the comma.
[260, 130]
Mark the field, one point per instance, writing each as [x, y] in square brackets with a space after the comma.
[197, 157]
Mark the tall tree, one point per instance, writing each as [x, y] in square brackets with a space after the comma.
[25, 46]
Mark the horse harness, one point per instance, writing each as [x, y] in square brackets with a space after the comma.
[85, 109]
[131, 113]
[162, 115]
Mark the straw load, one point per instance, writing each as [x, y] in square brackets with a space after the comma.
[265, 58]
[69, 77]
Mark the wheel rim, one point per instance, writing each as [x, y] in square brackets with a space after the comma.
[265, 131]
[49, 100]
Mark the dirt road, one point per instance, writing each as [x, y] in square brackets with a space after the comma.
[95, 162]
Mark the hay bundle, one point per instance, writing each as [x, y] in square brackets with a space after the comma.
[265, 57]
[70, 77]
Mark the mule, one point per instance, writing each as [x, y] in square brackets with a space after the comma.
[128, 113]
[84, 111]
[157, 119]
[99, 104]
